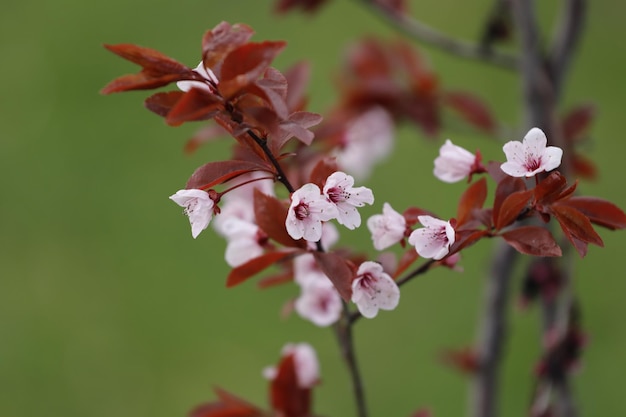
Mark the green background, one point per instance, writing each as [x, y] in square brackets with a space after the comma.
[108, 307]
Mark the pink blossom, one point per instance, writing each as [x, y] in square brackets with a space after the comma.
[368, 140]
[339, 190]
[206, 73]
[373, 289]
[454, 163]
[434, 239]
[244, 241]
[307, 366]
[527, 158]
[319, 302]
[198, 206]
[387, 229]
[308, 209]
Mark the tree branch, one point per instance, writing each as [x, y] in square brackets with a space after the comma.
[343, 331]
[424, 33]
[565, 41]
[484, 398]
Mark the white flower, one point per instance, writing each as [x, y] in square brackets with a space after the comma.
[319, 302]
[373, 289]
[434, 239]
[527, 158]
[388, 228]
[198, 207]
[339, 190]
[244, 241]
[206, 73]
[307, 366]
[367, 140]
[453, 163]
[306, 213]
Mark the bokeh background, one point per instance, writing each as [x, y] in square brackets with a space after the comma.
[108, 307]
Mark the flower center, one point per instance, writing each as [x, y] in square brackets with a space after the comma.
[302, 211]
[190, 206]
[337, 194]
[532, 163]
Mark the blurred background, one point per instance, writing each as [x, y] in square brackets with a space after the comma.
[108, 307]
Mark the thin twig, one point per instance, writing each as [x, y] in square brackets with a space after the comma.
[426, 34]
[343, 331]
[280, 174]
[493, 333]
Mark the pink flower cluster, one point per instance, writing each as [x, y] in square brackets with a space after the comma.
[338, 200]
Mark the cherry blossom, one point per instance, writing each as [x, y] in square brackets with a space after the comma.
[308, 209]
[367, 140]
[206, 73]
[388, 228]
[527, 158]
[373, 289]
[319, 302]
[245, 241]
[455, 163]
[434, 239]
[198, 206]
[339, 190]
[307, 366]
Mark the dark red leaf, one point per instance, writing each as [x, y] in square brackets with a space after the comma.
[599, 211]
[412, 213]
[228, 406]
[464, 360]
[276, 279]
[288, 399]
[271, 215]
[550, 188]
[162, 103]
[576, 225]
[512, 207]
[222, 39]
[157, 69]
[583, 167]
[322, 170]
[506, 187]
[533, 240]
[297, 80]
[472, 109]
[465, 238]
[194, 105]
[254, 266]
[245, 64]
[308, 6]
[296, 126]
[577, 121]
[338, 271]
[472, 199]
[214, 173]
[273, 89]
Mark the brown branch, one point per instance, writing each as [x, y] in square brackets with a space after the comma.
[484, 397]
[343, 331]
[426, 34]
[565, 41]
